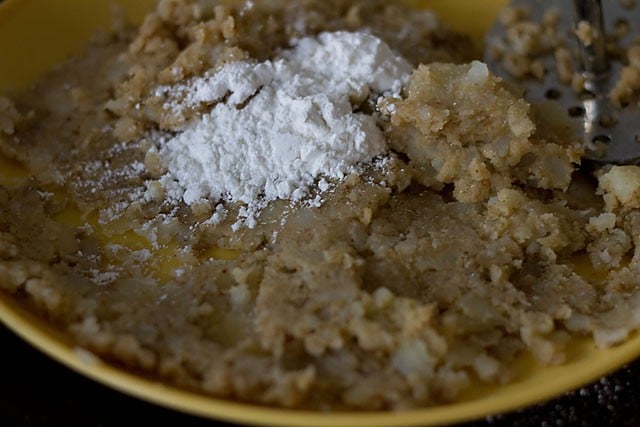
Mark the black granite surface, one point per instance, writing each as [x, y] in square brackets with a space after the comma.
[38, 392]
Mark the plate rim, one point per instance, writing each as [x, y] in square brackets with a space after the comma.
[47, 339]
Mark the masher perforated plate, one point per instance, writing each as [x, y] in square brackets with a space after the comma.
[611, 133]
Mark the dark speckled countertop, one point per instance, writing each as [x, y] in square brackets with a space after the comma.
[38, 392]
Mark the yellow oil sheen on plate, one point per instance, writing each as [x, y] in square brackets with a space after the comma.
[37, 34]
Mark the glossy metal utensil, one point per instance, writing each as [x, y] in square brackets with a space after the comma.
[610, 130]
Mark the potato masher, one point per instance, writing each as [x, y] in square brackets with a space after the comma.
[582, 55]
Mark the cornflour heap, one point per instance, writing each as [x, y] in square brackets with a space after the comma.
[278, 125]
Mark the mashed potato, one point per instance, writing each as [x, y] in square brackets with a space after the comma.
[472, 241]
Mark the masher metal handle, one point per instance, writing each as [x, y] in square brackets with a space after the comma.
[593, 54]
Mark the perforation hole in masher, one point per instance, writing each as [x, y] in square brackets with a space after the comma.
[553, 94]
[601, 139]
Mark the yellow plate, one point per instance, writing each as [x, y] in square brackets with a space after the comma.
[36, 34]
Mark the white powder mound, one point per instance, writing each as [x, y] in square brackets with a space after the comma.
[282, 124]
